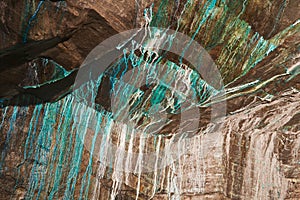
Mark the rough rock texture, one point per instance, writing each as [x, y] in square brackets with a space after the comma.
[254, 154]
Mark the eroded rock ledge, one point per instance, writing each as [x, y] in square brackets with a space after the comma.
[251, 153]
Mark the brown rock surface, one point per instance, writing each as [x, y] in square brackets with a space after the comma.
[254, 154]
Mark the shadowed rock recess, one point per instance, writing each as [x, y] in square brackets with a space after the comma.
[58, 141]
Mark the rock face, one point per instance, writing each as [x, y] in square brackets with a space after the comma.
[55, 145]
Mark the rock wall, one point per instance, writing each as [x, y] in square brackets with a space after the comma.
[251, 153]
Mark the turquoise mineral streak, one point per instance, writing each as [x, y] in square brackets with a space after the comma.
[31, 20]
[207, 11]
[44, 140]
[59, 152]
[28, 150]
[4, 112]
[57, 132]
[84, 116]
[58, 74]
[85, 183]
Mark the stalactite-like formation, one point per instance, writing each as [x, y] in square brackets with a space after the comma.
[110, 139]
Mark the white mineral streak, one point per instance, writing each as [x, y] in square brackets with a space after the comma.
[129, 164]
[117, 176]
[196, 165]
[103, 156]
[139, 163]
[157, 156]
[266, 178]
